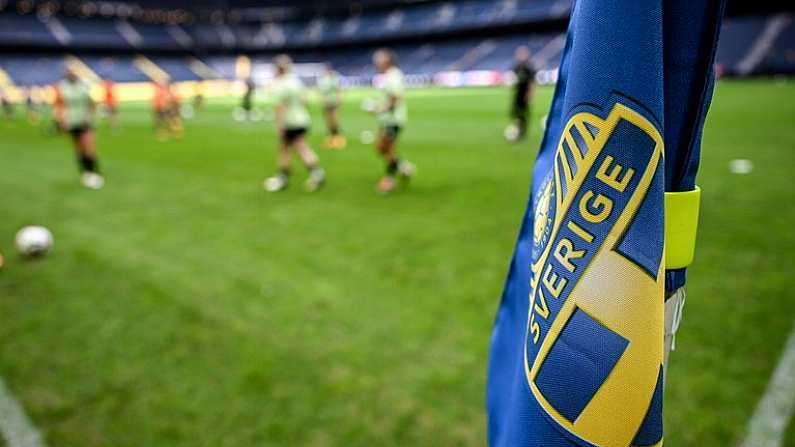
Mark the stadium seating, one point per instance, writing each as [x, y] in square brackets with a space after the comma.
[347, 41]
[781, 57]
[177, 68]
[736, 39]
[24, 30]
[117, 69]
[93, 33]
[32, 70]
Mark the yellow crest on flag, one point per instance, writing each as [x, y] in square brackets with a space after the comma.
[594, 344]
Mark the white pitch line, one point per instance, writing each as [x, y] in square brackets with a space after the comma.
[15, 426]
[774, 411]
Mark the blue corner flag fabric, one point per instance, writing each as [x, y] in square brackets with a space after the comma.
[577, 348]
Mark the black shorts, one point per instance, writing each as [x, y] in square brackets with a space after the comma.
[331, 106]
[78, 130]
[290, 135]
[391, 132]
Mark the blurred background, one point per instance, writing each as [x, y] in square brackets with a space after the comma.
[453, 43]
[182, 305]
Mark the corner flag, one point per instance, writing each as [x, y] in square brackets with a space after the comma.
[577, 352]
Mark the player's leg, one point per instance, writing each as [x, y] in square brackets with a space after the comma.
[247, 106]
[335, 140]
[113, 115]
[87, 154]
[395, 167]
[280, 181]
[160, 124]
[175, 120]
[512, 131]
[386, 148]
[521, 120]
[86, 148]
[317, 176]
[329, 119]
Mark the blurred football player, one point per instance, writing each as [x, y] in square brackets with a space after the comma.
[174, 109]
[329, 85]
[292, 124]
[160, 105]
[165, 108]
[32, 104]
[522, 96]
[7, 104]
[198, 95]
[110, 102]
[247, 104]
[392, 115]
[74, 112]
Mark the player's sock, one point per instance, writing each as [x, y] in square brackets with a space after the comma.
[87, 163]
[392, 167]
[91, 164]
[522, 124]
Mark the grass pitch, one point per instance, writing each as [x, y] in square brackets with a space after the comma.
[184, 306]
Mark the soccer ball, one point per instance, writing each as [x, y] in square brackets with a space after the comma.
[186, 111]
[511, 132]
[741, 166]
[367, 137]
[33, 241]
[368, 105]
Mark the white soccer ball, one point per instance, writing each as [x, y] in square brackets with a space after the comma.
[741, 166]
[186, 111]
[511, 132]
[368, 105]
[33, 241]
[367, 137]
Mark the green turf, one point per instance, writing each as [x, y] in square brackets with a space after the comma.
[183, 306]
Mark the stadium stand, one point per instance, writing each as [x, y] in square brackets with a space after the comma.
[781, 58]
[92, 33]
[23, 30]
[117, 69]
[32, 70]
[485, 35]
